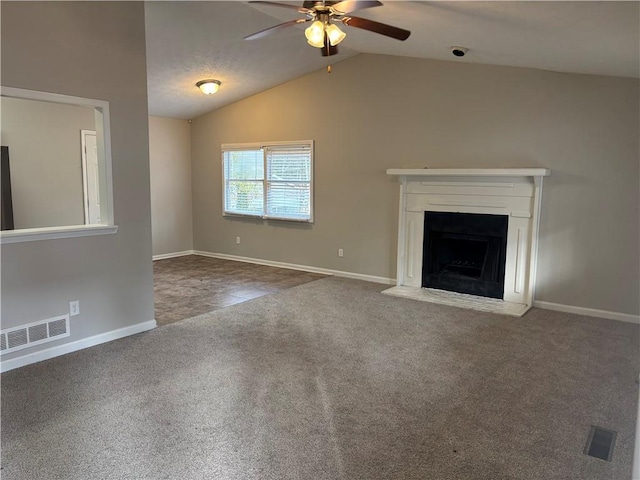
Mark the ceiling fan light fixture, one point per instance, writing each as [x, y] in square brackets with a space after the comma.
[315, 34]
[323, 33]
[209, 87]
[335, 34]
[315, 44]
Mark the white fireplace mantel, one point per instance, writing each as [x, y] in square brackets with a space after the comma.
[470, 172]
[515, 192]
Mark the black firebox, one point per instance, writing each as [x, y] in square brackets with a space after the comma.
[465, 253]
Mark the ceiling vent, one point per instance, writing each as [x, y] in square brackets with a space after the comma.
[32, 334]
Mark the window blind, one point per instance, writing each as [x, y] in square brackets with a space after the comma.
[244, 182]
[289, 182]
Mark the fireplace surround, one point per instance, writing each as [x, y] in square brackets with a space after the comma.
[511, 193]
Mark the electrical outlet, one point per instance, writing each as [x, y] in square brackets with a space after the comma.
[74, 308]
[237, 240]
[340, 252]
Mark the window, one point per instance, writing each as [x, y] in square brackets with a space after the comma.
[272, 180]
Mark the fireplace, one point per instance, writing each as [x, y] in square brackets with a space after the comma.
[465, 253]
[468, 237]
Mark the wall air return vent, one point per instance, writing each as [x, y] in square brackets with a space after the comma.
[32, 334]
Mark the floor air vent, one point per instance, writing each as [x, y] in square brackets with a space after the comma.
[17, 338]
[600, 443]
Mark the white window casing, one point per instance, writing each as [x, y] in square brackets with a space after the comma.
[272, 180]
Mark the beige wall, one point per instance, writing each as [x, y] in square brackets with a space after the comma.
[170, 159]
[376, 112]
[92, 50]
[45, 160]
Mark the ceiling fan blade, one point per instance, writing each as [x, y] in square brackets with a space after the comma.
[270, 30]
[348, 6]
[284, 5]
[377, 27]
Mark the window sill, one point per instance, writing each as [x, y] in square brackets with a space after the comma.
[51, 233]
[267, 217]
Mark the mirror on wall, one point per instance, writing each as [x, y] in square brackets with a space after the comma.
[55, 161]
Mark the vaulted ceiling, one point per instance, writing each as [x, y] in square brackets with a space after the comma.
[189, 41]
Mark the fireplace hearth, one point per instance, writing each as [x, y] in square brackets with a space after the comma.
[465, 253]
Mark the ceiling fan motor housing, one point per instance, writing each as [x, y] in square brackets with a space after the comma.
[311, 4]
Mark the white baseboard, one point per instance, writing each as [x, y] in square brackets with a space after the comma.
[172, 255]
[589, 312]
[304, 268]
[46, 354]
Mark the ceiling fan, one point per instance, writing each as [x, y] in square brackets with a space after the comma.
[323, 32]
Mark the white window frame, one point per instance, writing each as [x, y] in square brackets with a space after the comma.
[226, 147]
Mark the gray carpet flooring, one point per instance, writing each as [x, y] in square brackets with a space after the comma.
[331, 380]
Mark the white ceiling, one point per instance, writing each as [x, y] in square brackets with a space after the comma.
[189, 41]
